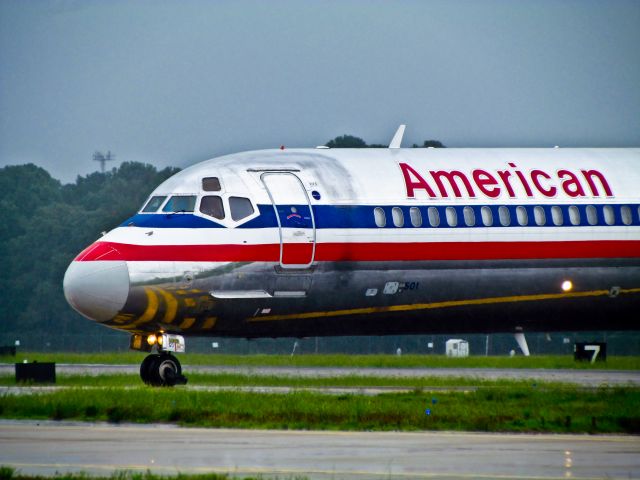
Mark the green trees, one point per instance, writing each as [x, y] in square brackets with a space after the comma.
[46, 224]
[346, 141]
[23, 191]
[430, 144]
[349, 141]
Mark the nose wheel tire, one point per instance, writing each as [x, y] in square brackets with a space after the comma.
[162, 370]
[145, 368]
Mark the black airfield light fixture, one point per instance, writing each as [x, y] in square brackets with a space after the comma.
[103, 159]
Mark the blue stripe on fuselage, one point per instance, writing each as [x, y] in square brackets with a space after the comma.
[362, 216]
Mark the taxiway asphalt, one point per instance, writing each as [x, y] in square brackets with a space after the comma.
[47, 447]
[587, 378]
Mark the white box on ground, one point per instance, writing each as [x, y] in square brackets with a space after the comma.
[456, 347]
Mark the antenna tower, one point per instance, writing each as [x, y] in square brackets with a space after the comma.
[103, 159]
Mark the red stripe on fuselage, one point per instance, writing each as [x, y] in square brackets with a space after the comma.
[331, 252]
[180, 253]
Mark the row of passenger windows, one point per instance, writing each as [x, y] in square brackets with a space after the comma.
[484, 216]
[211, 205]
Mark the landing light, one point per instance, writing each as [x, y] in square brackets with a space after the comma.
[152, 339]
[567, 286]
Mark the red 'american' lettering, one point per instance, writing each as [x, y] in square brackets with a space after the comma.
[445, 183]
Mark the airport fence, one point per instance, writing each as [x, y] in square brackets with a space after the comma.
[618, 343]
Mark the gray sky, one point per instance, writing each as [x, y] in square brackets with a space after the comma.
[172, 83]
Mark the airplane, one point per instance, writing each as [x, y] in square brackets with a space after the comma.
[326, 242]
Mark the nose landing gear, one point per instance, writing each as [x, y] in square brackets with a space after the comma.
[162, 370]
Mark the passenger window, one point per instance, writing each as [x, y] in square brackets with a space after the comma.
[240, 207]
[574, 215]
[556, 215]
[625, 212]
[469, 216]
[211, 184]
[592, 215]
[212, 205]
[521, 215]
[180, 203]
[609, 217]
[487, 216]
[416, 216]
[153, 205]
[397, 216]
[539, 216]
[452, 216]
[434, 216]
[505, 216]
[379, 216]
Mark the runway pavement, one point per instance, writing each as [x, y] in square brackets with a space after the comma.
[46, 447]
[588, 378]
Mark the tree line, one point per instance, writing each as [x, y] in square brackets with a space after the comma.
[349, 141]
[46, 224]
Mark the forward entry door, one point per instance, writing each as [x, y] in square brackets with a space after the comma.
[295, 218]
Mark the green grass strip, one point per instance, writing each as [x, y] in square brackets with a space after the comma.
[495, 409]
[340, 360]
[9, 473]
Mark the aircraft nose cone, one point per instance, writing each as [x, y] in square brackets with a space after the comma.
[98, 290]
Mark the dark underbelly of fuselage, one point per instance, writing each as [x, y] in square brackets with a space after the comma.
[379, 298]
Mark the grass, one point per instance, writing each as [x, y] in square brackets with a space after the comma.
[493, 409]
[9, 473]
[340, 360]
[492, 405]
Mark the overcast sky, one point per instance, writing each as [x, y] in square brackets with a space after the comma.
[175, 82]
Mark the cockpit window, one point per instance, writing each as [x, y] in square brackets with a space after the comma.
[153, 205]
[211, 184]
[240, 207]
[180, 203]
[212, 205]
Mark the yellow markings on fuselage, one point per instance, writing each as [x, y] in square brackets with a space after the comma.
[209, 323]
[436, 305]
[152, 307]
[123, 318]
[189, 302]
[187, 323]
[171, 305]
[166, 306]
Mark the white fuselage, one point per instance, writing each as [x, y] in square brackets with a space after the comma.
[347, 241]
